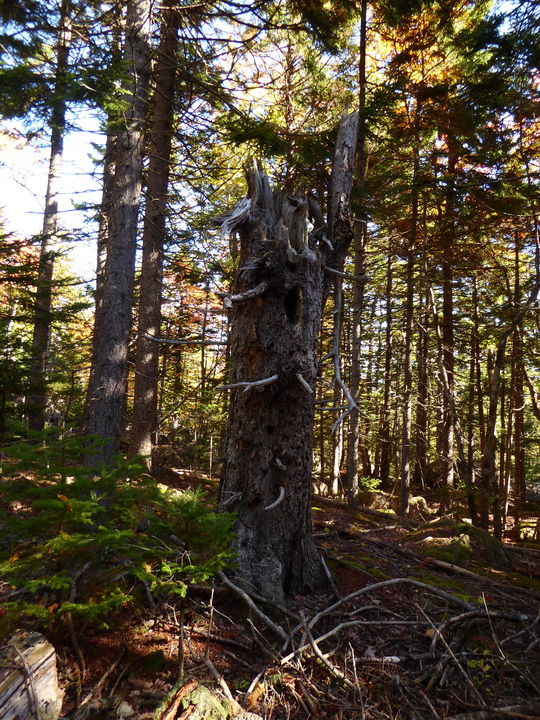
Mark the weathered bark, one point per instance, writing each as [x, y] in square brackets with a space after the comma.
[106, 407]
[28, 679]
[104, 230]
[144, 421]
[359, 270]
[37, 400]
[276, 312]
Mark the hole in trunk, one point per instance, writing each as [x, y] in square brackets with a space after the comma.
[292, 303]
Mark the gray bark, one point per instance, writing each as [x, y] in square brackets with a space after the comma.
[268, 468]
[144, 421]
[106, 406]
[28, 680]
[358, 288]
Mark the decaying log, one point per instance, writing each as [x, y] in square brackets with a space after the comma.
[28, 680]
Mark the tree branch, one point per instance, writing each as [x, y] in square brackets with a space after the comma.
[228, 300]
[248, 385]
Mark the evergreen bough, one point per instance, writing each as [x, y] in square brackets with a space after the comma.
[74, 542]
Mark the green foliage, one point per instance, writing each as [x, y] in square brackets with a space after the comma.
[88, 545]
[368, 484]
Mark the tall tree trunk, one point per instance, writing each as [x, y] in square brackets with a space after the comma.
[447, 328]
[104, 227]
[421, 420]
[518, 381]
[106, 407]
[37, 400]
[359, 269]
[489, 478]
[276, 312]
[384, 428]
[145, 400]
[406, 418]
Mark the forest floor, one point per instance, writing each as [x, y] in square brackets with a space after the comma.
[431, 619]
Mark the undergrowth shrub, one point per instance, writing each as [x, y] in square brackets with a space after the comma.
[73, 542]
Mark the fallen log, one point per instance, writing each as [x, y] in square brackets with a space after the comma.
[28, 680]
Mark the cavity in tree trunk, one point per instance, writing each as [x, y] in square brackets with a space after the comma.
[37, 400]
[276, 311]
[106, 406]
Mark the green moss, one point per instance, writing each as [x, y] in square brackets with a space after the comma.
[524, 581]
[445, 583]
[457, 541]
[156, 661]
[207, 705]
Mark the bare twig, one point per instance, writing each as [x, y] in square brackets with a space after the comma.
[341, 274]
[389, 583]
[249, 384]
[456, 661]
[170, 341]
[334, 671]
[251, 605]
[84, 707]
[279, 499]
[304, 382]
[235, 707]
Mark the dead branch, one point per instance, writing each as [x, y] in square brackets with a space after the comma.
[251, 605]
[248, 384]
[170, 341]
[303, 382]
[388, 583]
[85, 706]
[169, 713]
[279, 499]
[228, 300]
[334, 671]
[347, 276]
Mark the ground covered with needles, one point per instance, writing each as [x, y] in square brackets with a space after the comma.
[431, 619]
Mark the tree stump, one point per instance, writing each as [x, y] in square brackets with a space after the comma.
[28, 680]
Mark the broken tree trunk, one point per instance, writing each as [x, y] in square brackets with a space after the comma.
[276, 310]
[28, 681]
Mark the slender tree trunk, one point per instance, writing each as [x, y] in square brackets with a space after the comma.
[106, 407]
[145, 400]
[359, 270]
[276, 312]
[447, 327]
[406, 420]
[518, 378]
[384, 429]
[37, 400]
[421, 445]
[489, 481]
[104, 230]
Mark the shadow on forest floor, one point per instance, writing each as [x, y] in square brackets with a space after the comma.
[424, 620]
